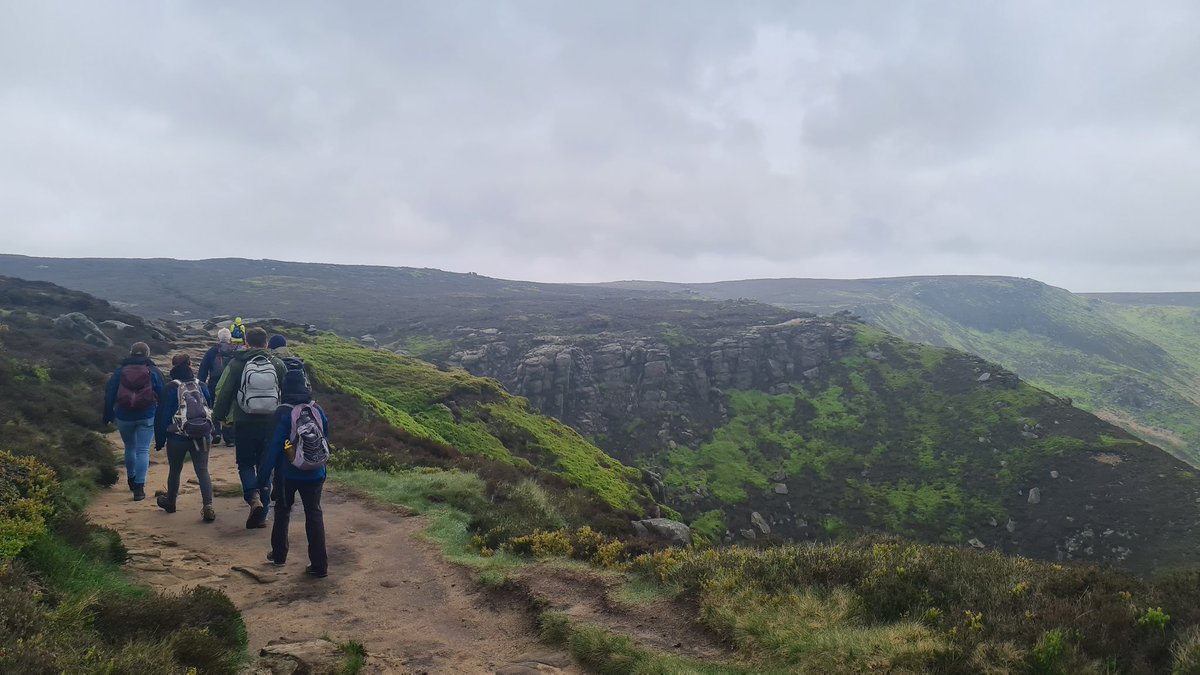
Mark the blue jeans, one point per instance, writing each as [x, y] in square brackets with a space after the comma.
[137, 436]
[250, 445]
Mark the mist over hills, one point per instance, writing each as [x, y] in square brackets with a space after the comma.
[1133, 358]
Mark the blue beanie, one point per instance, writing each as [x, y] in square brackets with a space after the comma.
[276, 342]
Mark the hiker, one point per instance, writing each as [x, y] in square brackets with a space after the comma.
[278, 347]
[131, 400]
[184, 425]
[297, 456]
[247, 395]
[211, 367]
[237, 332]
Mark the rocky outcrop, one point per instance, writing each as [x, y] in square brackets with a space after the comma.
[79, 325]
[666, 530]
[644, 389]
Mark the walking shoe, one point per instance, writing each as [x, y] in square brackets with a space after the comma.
[321, 574]
[164, 503]
[271, 559]
[139, 492]
[208, 513]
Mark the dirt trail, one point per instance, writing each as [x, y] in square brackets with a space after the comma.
[387, 588]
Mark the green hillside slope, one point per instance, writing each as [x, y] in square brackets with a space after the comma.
[456, 412]
[1131, 363]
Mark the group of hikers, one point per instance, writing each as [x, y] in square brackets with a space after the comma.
[252, 394]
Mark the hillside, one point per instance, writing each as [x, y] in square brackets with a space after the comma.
[1114, 354]
[65, 605]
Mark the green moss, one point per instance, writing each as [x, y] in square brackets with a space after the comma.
[475, 416]
[710, 525]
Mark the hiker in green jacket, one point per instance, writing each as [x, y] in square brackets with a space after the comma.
[247, 396]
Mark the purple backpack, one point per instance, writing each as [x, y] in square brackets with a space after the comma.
[307, 448]
[193, 418]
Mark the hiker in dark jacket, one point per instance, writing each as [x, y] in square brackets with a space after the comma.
[179, 445]
[278, 347]
[236, 397]
[211, 367]
[289, 480]
[131, 400]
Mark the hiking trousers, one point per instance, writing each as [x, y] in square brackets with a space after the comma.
[137, 435]
[251, 438]
[177, 451]
[314, 521]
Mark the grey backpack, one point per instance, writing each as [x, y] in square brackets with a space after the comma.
[259, 392]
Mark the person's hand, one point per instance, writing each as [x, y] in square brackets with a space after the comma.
[157, 448]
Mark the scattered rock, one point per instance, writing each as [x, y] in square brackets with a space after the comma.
[874, 355]
[1029, 435]
[781, 489]
[671, 531]
[748, 534]
[1054, 474]
[116, 325]
[307, 656]
[77, 324]
[1035, 495]
[760, 522]
[984, 377]
[1011, 525]
[993, 522]
[976, 543]
[259, 576]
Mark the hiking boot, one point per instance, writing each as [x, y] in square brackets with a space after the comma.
[271, 559]
[164, 503]
[258, 514]
[320, 574]
[208, 513]
[139, 492]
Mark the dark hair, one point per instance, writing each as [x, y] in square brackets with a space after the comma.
[139, 349]
[256, 337]
[181, 359]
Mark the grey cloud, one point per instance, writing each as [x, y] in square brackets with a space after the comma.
[587, 141]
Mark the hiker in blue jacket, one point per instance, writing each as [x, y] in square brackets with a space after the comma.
[211, 367]
[131, 400]
[179, 445]
[290, 480]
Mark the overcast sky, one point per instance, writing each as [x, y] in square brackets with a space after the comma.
[589, 141]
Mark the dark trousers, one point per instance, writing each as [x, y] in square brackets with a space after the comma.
[314, 521]
[178, 450]
[250, 440]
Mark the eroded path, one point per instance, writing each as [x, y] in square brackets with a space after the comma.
[387, 588]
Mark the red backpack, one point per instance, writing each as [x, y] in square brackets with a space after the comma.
[135, 389]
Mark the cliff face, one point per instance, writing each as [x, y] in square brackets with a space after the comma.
[617, 387]
[818, 428]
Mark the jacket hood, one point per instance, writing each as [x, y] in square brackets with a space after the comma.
[138, 361]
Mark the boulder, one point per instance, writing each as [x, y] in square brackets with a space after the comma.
[77, 324]
[116, 325]
[1035, 496]
[984, 377]
[976, 543]
[760, 522]
[671, 531]
[781, 489]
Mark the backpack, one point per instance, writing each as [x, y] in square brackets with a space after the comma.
[193, 418]
[307, 449]
[259, 391]
[135, 388]
[220, 359]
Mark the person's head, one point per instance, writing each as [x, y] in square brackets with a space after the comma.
[237, 321]
[276, 342]
[295, 387]
[224, 335]
[256, 337]
[181, 367]
[139, 349]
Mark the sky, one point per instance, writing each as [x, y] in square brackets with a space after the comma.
[687, 140]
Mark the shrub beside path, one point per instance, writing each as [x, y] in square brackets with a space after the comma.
[388, 589]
